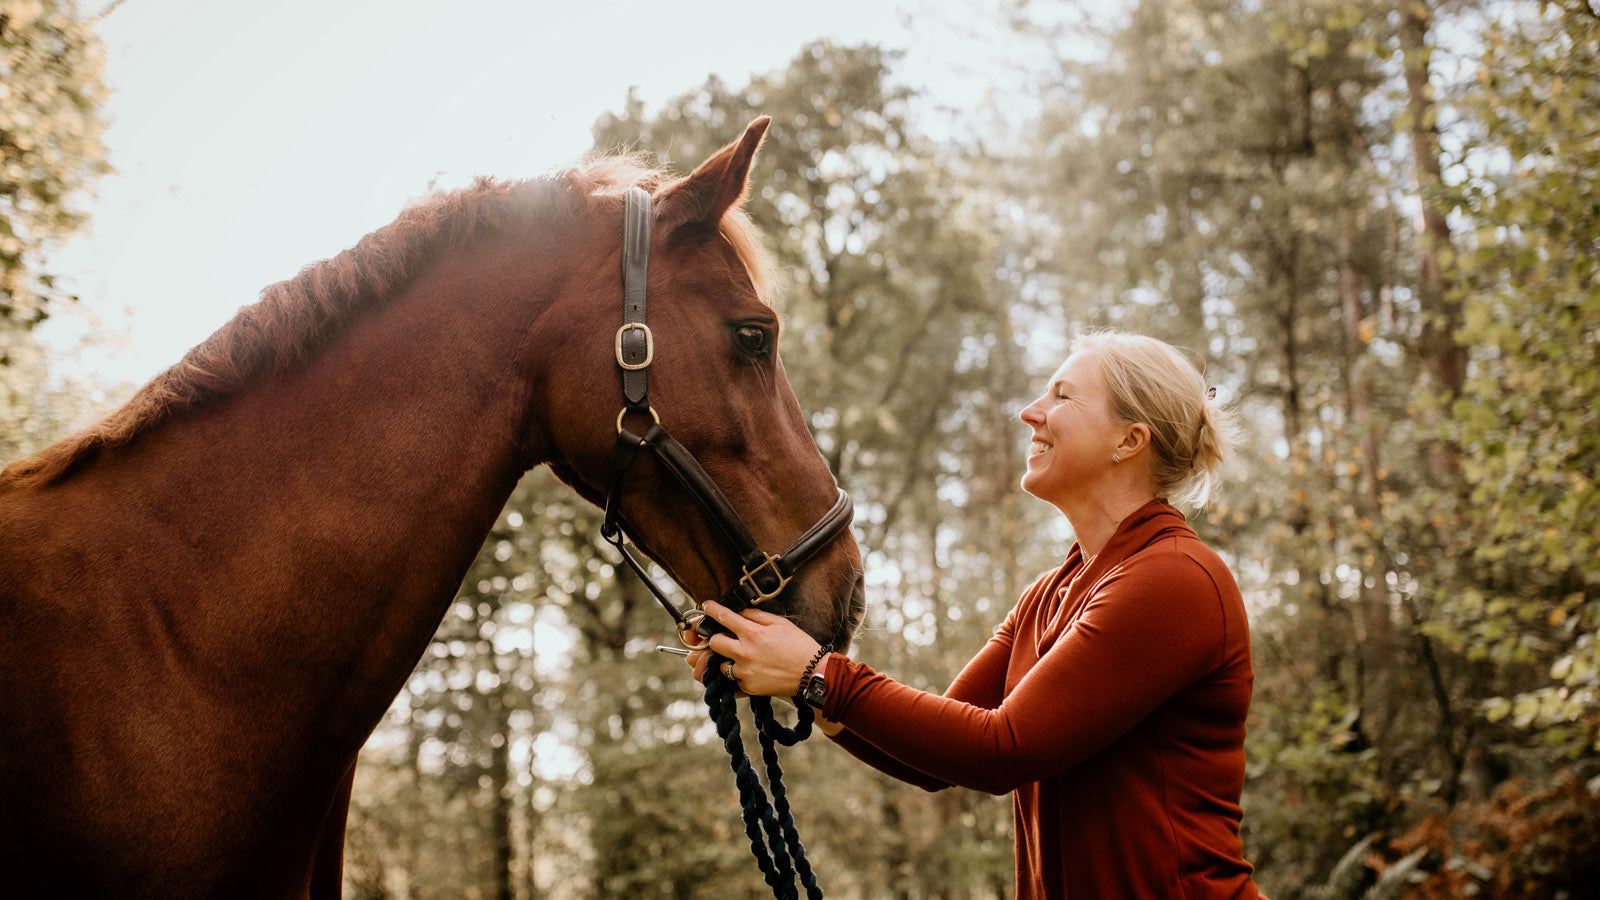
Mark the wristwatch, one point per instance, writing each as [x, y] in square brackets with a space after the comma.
[816, 692]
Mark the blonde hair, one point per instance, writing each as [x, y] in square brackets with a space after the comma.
[1151, 382]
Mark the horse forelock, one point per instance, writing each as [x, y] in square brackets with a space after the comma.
[295, 318]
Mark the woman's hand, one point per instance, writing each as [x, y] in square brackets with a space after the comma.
[769, 653]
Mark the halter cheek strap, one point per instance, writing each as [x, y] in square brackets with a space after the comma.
[635, 344]
[763, 576]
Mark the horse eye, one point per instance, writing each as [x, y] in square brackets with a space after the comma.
[752, 340]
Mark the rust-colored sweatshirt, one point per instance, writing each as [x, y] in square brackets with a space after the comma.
[1111, 702]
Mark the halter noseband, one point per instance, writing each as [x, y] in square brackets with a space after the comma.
[764, 576]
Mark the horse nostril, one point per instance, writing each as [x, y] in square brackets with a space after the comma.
[850, 616]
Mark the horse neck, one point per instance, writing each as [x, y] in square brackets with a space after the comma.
[324, 517]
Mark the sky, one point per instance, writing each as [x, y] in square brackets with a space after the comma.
[250, 140]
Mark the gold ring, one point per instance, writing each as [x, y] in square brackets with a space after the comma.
[727, 671]
[628, 409]
[686, 630]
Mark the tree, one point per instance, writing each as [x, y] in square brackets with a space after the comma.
[1527, 411]
[51, 92]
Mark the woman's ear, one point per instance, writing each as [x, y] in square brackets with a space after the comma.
[1134, 441]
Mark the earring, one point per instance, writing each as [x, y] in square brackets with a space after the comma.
[1116, 457]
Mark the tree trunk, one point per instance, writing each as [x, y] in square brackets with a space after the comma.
[1443, 360]
[500, 778]
[1375, 640]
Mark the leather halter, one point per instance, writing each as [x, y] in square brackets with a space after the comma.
[764, 576]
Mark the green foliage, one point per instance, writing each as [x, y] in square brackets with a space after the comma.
[51, 91]
[50, 152]
[1528, 414]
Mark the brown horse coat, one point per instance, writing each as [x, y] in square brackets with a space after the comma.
[208, 600]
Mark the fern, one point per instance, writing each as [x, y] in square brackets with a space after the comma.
[1394, 880]
[1350, 874]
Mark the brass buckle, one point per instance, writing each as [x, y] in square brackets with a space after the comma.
[749, 579]
[649, 346]
[686, 628]
[627, 409]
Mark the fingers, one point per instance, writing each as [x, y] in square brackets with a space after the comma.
[762, 617]
[729, 673]
[698, 660]
[727, 618]
[768, 651]
[723, 645]
[739, 622]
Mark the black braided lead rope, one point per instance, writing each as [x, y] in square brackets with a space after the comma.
[767, 731]
[774, 839]
[756, 810]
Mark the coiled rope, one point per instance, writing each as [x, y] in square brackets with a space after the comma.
[774, 840]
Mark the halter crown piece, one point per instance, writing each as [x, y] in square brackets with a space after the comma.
[763, 576]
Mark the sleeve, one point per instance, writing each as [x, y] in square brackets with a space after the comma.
[1149, 631]
[981, 683]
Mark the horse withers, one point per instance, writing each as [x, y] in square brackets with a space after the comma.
[209, 598]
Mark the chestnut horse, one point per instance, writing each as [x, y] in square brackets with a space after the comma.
[208, 599]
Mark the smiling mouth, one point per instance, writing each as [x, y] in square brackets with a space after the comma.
[1037, 447]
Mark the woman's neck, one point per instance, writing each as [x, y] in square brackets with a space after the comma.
[1096, 519]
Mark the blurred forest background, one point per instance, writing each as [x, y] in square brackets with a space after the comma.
[1375, 221]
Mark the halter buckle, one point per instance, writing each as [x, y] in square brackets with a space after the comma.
[649, 346]
[749, 579]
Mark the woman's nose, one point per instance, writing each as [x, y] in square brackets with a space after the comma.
[1030, 414]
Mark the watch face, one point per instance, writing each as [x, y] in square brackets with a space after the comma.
[816, 691]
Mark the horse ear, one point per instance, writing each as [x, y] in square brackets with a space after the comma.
[715, 186]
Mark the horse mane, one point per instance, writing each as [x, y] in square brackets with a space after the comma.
[294, 319]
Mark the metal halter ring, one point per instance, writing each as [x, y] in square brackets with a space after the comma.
[749, 579]
[649, 346]
[623, 413]
[686, 628]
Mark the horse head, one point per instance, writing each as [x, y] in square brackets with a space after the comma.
[715, 382]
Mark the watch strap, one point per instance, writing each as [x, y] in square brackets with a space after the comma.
[803, 690]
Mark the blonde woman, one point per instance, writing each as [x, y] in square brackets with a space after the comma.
[1111, 701]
